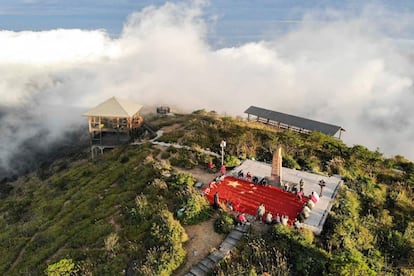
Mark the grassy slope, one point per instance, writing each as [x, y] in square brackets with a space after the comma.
[69, 213]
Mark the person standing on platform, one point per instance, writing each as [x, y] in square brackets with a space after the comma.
[300, 195]
[276, 219]
[241, 218]
[322, 184]
[236, 205]
[248, 176]
[230, 205]
[296, 224]
[216, 200]
[223, 170]
[260, 212]
[301, 184]
[285, 219]
[269, 218]
[210, 166]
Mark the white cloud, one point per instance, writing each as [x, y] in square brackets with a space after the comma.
[343, 71]
[55, 46]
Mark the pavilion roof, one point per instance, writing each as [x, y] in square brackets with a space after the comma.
[114, 107]
[295, 121]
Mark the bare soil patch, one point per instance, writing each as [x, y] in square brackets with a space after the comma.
[201, 175]
[201, 241]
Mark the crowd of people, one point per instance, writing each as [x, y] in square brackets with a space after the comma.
[262, 216]
[283, 219]
[270, 218]
[249, 177]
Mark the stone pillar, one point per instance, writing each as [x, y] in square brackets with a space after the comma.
[276, 174]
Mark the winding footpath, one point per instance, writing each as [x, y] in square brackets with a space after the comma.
[177, 146]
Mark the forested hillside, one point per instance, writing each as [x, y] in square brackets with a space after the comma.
[116, 214]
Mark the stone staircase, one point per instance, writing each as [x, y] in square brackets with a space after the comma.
[205, 265]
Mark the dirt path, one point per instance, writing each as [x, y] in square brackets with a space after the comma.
[202, 238]
[20, 255]
[201, 241]
[200, 174]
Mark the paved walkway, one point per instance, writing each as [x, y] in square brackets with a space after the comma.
[177, 146]
[203, 267]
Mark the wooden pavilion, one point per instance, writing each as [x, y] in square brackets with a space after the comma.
[113, 123]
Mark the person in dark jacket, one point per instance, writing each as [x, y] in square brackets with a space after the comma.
[216, 200]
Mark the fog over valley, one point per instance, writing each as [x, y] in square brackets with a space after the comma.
[348, 71]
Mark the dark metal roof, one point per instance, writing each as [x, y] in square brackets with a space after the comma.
[293, 121]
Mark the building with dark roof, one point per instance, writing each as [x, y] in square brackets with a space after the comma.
[295, 123]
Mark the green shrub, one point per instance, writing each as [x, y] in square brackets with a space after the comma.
[264, 155]
[87, 173]
[43, 172]
[298, 247]
[62, 184]
[124, 159]
[289, 162]
[200, 112]
[181, 181]
[142, 211]
[232, 161]
[111, 243]
[172, 149]
[5, 189]
[166, 253]
[171, 137]
[17, 210]
[310, 163]
[224, 224]
[349, 263]
[64, 267]
[90, 235]
[307, 235]
[255, 256]
[165, 155]
[196, 208]
[184, 159]
[158, 186]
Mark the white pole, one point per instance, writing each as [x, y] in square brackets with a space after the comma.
[222, 145]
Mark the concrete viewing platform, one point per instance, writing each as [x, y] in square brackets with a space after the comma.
[290, 179]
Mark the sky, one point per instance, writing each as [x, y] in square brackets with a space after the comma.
[340, 62]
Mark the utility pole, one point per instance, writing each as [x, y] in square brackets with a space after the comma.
[222, 145]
